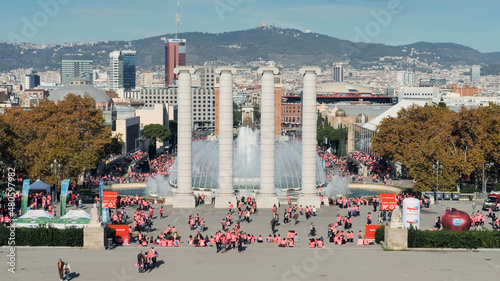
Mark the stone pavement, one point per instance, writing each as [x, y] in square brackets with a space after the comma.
[264, 261]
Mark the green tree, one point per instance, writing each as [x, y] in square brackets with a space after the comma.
[156, 132]
[334, 137]
[319, 123]
[71, 131]
[172, 126]
[256, 115]
[115, 147]
[236, 114]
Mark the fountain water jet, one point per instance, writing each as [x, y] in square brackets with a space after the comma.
[247, 164]
[158, 186]
[338, 186]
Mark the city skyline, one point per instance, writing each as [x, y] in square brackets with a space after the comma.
[392, 22]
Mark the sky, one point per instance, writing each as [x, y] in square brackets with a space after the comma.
[473, 23]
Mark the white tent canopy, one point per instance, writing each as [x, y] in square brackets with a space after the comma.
[34, 214]
[40, 185]
[77, 214]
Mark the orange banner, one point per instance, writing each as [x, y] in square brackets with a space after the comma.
[370, 230]
[121, 229]
[388, 201]
[109, 199]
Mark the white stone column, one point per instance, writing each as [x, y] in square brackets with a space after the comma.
[226, 146]
[267, 194]
[309, 154]
[184, 196]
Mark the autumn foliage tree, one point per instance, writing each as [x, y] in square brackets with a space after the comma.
[71, 131]
[461, 141]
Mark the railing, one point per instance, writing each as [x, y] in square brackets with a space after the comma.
[466, 196]
[284, 200]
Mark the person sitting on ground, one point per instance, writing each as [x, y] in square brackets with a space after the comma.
[259, 239]
[282, 243]
[269, 239]
[312, 243]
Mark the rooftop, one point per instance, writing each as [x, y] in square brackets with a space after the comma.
[82, 90]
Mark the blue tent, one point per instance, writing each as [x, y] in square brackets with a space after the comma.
[40, 186]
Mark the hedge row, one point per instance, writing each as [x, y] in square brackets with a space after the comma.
[42, 236]
[447, 239]
[453, 239]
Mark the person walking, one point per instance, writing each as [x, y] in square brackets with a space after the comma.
[67, 270]
[140, 262]
[60, 268]
[437, 223]
[161, 212]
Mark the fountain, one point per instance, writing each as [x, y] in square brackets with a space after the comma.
[247, 164]
[158, 186]
[337, 186]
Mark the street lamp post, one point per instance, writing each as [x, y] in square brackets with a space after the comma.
[55, 167]
[437, 168]
[484, 177]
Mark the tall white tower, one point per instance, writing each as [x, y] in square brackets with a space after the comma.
[178, 18]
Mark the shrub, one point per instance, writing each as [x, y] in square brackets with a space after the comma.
[380, 234]
[110, 232]
[453, 239]
[43, 236]
[469, 189]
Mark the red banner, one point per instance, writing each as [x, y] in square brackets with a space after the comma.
[388, 201]
[370, 230]
[121, 229]
[109, 199]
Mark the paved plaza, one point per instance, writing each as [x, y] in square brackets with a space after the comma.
[264, 261]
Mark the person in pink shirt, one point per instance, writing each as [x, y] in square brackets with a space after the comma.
[312, 243]
[319, 242]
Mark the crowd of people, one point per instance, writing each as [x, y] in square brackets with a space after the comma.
[118, 172]
[379, 168]
[161, 165]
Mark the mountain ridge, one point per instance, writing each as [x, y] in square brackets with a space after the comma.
[290, 47]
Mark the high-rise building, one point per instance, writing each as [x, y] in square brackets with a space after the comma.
[175, 55]
[76, 67]
[207, 74]
[475, 74]
[31, 81]
[146, 79]
[338, 73]
[203, 102]
[406, 78]
[122, 70]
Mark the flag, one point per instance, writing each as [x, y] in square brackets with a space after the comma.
[101, 187]
[105, 215]
[24, 199]
[64, 195]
